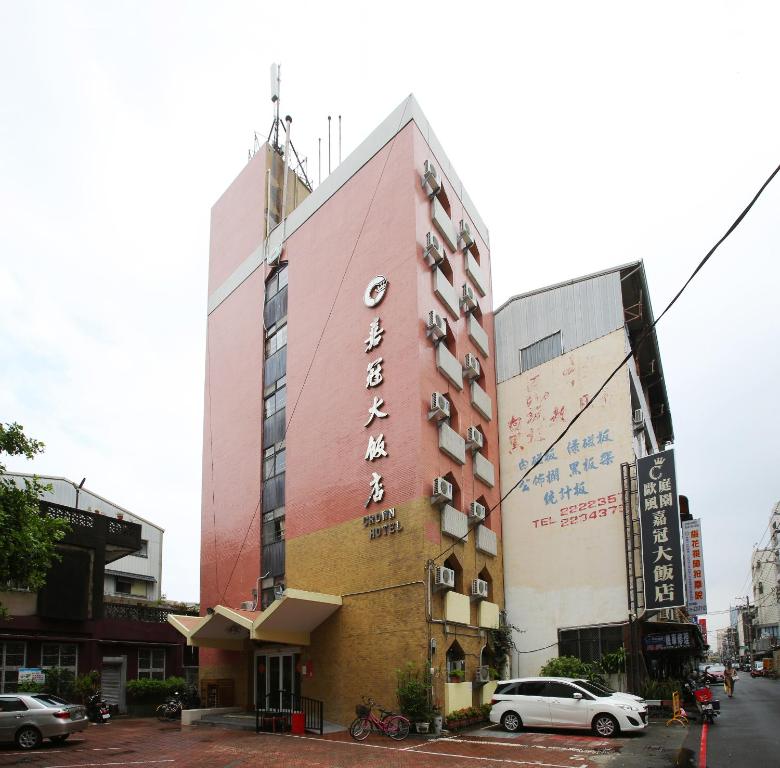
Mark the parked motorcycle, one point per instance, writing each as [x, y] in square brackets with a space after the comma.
[97, 708]
[709, 707]
[171, 709]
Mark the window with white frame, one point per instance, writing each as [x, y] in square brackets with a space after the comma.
[12, 656]
[63, 655]
[151, 663]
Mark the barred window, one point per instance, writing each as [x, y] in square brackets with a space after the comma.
[541, 351]
[276, 283]
[276, 401]
[151, 663]
[63, 655]
[274, 461]
[589, 643]
[275, 341]
[12, 656]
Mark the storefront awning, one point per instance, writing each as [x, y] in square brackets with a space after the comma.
[223, 628]
[289, 619]
[293, 617]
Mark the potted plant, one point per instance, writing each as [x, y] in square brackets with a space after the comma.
[457, 675]
[413, 693]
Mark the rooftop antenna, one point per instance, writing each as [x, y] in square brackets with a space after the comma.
[276, 81]
[328, 145]
[339, 139]
[287, 145]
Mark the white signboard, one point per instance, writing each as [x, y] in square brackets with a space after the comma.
[31, 675]
[694, 568]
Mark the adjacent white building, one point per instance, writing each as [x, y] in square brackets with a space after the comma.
[134, 576]
[765, 571]
[567, 584]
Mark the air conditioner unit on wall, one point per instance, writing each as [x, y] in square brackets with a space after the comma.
[433, 252]
[482, 674]
[474, 438]
[471, 369]
[479, 588]
[436, 326]
[477, 511]
[444, 577]
[467, 298]
[430, 178]
[465, 234]
[248, 605]
[442, 491]
[440, 407]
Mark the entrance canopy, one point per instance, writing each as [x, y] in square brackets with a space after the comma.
[290, 619]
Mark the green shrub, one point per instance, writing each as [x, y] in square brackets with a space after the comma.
[86, 684]
[413, 691]
[29, 686]
[153, 691]
[614, 662]
[60, 682]
[660, 689]
[565, 666]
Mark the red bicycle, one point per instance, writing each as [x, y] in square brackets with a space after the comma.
[392, 725]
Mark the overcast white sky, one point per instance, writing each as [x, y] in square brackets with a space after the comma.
[587, 134]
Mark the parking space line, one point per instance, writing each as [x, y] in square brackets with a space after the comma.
[35, 754]
[583, 750]
[122, 762]
[424, 752]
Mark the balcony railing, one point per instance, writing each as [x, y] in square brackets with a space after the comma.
[153, 614]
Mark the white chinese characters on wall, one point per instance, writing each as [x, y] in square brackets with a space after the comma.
[381, 523]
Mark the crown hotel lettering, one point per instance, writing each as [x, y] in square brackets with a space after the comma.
[381, 523]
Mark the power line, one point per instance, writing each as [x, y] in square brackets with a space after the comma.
[642, 337]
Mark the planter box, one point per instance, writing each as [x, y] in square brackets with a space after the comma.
[142, 710]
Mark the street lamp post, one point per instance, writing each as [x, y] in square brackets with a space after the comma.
[78, 490]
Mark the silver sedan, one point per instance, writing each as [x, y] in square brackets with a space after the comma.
[29, 718]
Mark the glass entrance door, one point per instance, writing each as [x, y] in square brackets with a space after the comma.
[275, 679]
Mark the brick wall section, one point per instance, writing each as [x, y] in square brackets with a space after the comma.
[327, 475]
[237, 221]
[232, 438]
[386, 627]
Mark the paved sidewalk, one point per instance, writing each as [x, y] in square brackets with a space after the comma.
[150, 743]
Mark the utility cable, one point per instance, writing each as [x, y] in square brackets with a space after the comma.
[642, 338]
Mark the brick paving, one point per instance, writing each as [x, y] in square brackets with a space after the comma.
[137, 742]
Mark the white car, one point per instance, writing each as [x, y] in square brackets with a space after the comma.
[563, 702]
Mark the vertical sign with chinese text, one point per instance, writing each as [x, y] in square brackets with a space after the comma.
[662, 562]
[694, 568]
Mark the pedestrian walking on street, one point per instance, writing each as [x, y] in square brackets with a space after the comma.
[729, 678]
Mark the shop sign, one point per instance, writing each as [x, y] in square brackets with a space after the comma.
[375, 291]
[695, 586]
[703, 628]
[659, 515]
[670, 640]
[382, 523]
[32, 675]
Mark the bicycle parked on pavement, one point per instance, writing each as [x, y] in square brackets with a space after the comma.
[390, 724]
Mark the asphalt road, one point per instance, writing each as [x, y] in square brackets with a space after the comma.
[747, 733]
